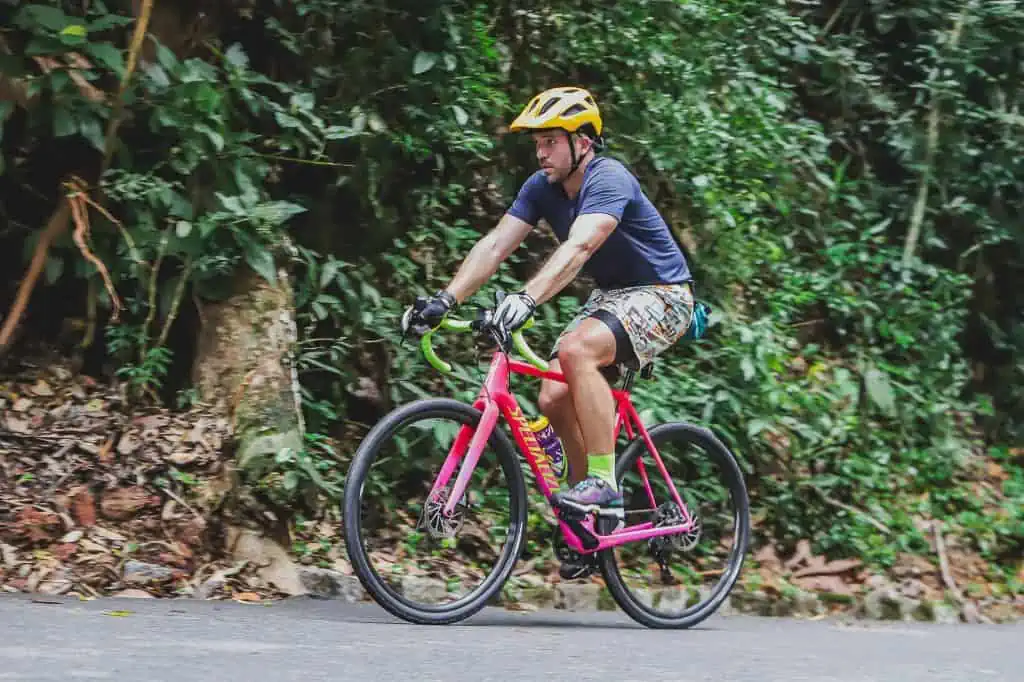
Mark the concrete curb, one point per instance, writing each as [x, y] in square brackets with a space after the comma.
[528, 595]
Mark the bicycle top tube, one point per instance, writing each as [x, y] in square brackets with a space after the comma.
[426, 344]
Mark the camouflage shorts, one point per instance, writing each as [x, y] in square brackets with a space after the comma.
[653, 318]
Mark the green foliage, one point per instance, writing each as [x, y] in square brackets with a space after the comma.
[867, 380]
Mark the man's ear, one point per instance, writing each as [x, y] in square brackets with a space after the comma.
[586, 144]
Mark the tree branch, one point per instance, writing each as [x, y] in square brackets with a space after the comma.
[931, 144]
[55, 226]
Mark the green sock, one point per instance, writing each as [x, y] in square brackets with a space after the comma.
[603, 467]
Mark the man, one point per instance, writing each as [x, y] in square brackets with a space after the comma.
[609, 229]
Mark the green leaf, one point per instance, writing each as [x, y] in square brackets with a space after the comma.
[33, 16]
[54, 269]
[63, 123]
[262, 262]
[747, 365]
[182, 228]
[291, 480]
[108, 55]
[232, 204]
[423, 62]
[276, 212]
[75, 30]
[879, 389]
[109, 21]
[328, 273]
[461, 117]
[236, 56]
[92, 131]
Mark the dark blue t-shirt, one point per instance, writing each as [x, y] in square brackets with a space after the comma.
[640, 250]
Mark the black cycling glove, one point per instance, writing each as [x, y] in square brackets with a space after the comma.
[427, 312]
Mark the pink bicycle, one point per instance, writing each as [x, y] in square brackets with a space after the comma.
[457, 504]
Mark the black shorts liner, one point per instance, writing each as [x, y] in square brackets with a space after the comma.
[624, 354]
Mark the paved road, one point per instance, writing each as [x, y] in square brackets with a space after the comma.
[307, 640]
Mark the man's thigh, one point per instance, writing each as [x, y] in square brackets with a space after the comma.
[644, 320]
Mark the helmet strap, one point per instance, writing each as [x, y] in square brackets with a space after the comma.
[572, 151]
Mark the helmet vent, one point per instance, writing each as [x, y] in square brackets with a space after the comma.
[547, 105]
[574, 109]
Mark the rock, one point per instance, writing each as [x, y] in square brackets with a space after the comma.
[424, 590]
[324, 583]
[646, 597]
[886, 603]
[541, 596]
[673, 600]
[577, 597]
[757, 603]
[1002, 612]
[211, 586]
[938, 612]
[276, 566]
[806, 604]
[132, 593]
[144, 573]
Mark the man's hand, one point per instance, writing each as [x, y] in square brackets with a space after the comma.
[426, 313]
[514, 311]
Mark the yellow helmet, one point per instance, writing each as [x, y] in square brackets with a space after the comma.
[564, 107]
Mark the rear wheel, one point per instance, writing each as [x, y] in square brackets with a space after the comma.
[404, 550]
[677, 581]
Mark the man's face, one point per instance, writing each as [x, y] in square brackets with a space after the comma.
[554, 155]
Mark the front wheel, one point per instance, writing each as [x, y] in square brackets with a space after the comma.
[403, 549]
[676, 581]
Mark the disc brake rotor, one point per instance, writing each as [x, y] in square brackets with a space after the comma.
[435, 522]
[669, 514]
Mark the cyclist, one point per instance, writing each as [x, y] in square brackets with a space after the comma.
[643, 300]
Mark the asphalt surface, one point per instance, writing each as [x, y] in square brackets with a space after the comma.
[44, 638]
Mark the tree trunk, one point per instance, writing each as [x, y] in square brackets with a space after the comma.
[245, 366]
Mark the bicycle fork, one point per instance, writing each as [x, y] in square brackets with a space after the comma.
[467, 448]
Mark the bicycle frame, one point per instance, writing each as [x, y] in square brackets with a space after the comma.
[495, 399]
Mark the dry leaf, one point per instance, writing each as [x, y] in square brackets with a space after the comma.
[183, 458]
[121, 503]
[41, 388]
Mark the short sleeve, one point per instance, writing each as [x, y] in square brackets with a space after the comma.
[610, 191]
[527, 205]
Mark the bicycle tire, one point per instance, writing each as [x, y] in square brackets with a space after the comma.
[378, 436]
[721, 455]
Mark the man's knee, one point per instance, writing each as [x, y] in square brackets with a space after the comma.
[576, 350]
[553, 398]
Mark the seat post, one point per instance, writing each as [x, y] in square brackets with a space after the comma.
[627, 380]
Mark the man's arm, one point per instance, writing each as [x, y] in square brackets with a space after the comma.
[485, 257]
[587, 234]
